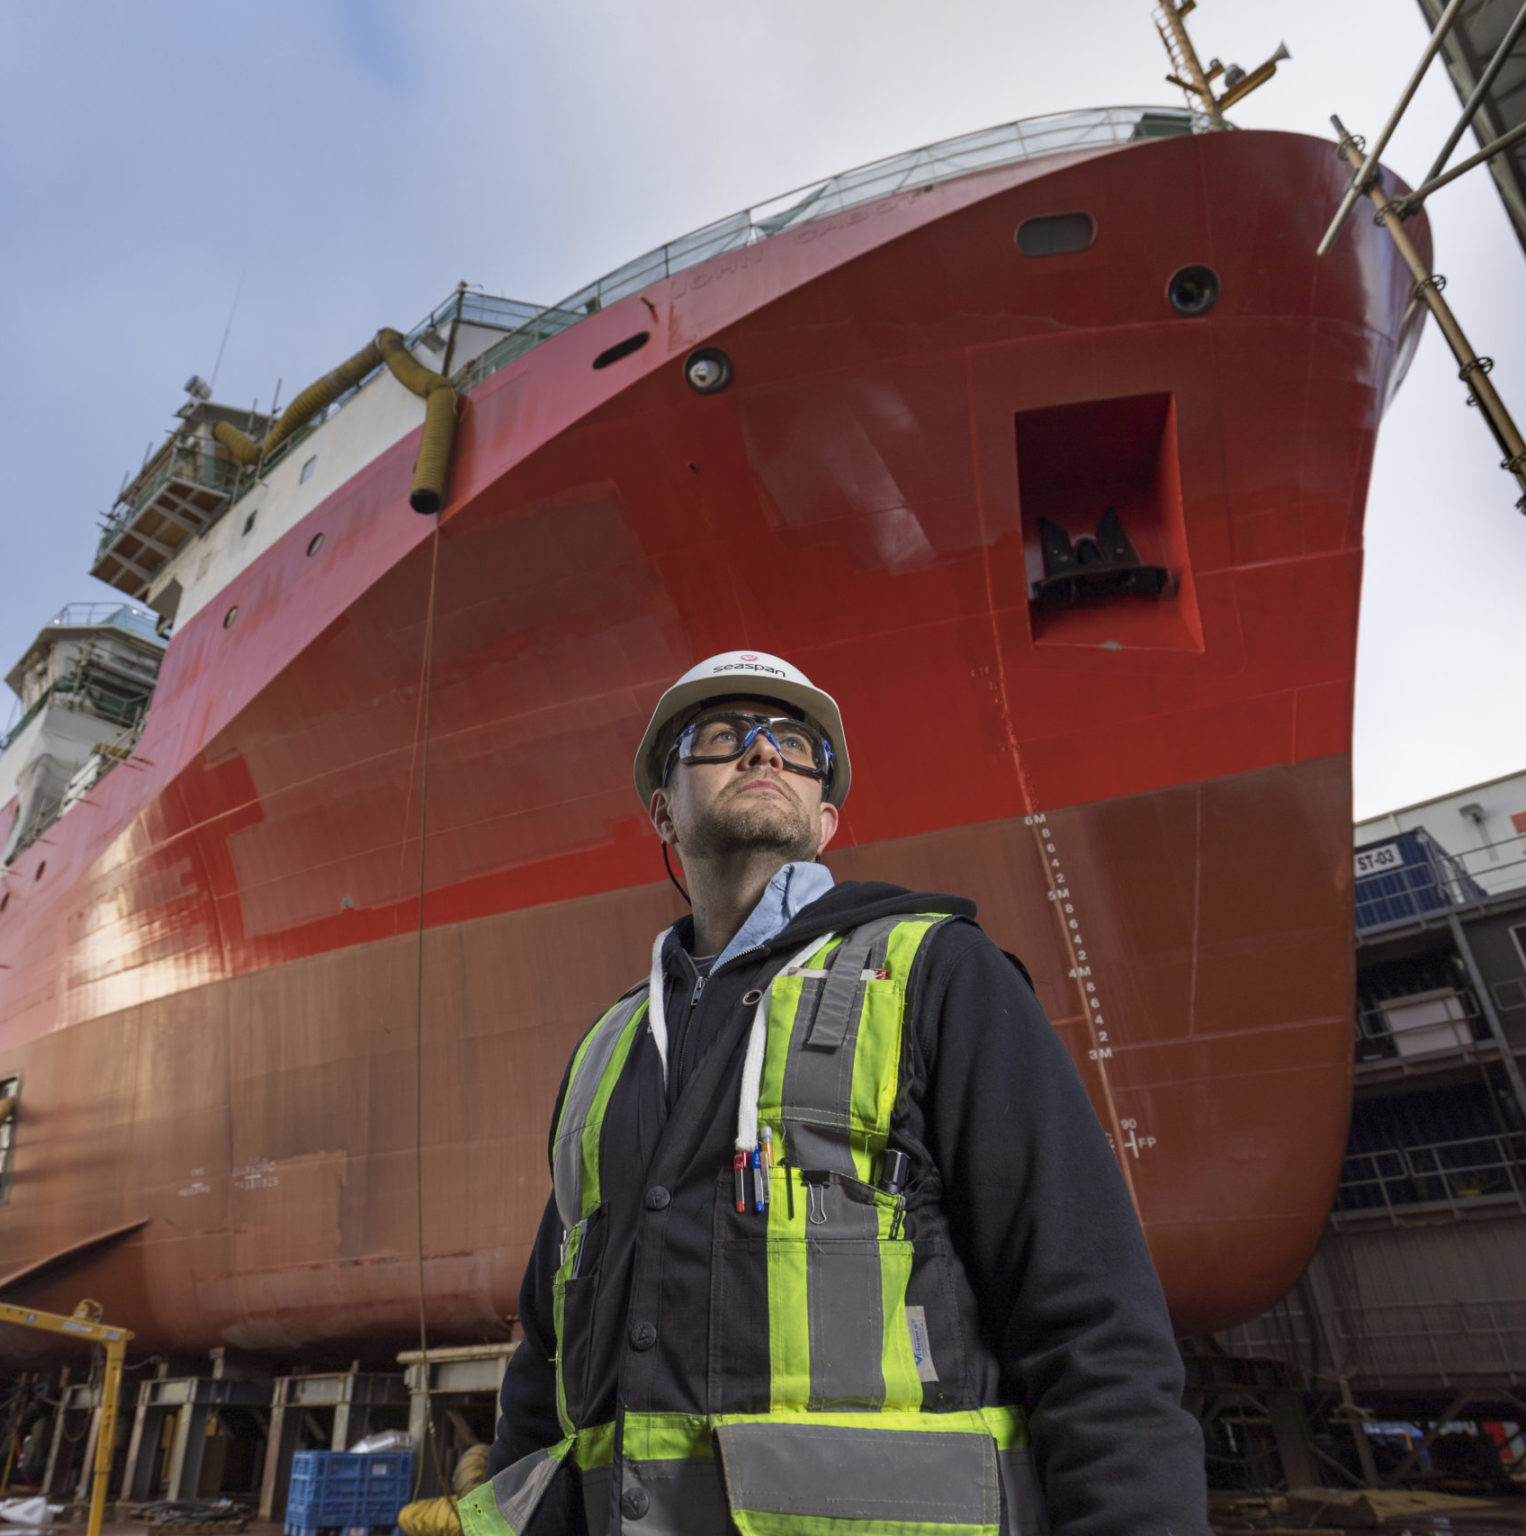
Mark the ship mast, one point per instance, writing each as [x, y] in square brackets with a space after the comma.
[1188, 73]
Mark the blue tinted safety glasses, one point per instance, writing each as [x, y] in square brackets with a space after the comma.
[723, 736]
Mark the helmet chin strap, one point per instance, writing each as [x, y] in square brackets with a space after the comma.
[667, 865]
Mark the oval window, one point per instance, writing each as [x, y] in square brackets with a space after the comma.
[40, 868]
[230, 616]
[622, 349]
[314, 544]
[1056, 234]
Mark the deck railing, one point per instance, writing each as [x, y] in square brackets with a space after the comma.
[1432, 880]
[1476, 1339]
[528, 325]
[1392, 1181]
[1004, 145]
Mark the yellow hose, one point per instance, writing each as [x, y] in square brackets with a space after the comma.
[243, 448]
[432, 468]
[322, 394]
[429, 1517]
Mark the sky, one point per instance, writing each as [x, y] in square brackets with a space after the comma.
[318, 168]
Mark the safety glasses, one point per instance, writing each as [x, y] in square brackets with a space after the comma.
[722, 736]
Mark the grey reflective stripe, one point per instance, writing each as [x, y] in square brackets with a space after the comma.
[844, 1302]
[567, 1158]
[518, 1489]
[1023, 1512]
[842, 996]
[687, 1497]
[818, 1070]
[913, 1475]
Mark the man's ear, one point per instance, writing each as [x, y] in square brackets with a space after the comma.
[662, 816]
[828, 825]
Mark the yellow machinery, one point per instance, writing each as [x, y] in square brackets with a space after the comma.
[86, 1325]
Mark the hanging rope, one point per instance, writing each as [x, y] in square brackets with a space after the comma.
[421, 755]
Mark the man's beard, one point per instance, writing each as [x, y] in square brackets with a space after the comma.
[779, 825]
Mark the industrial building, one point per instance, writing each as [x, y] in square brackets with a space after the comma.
[1401, 1353]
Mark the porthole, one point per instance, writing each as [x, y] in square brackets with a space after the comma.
[40, 868]
[1056, 234]
[249, 521]
[708, 371]
[307, 470]
[1193, 290]
[314, 544]
[622, 349]
[230, 616]
[5, 901]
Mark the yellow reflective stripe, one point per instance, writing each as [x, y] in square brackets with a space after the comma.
[666, 1437]
[505, 1504]
[1008, 1427]
[479, 1514]
[876, 1073]
[593, 1127]
[903, 1387]
[678, 1436]
[783, 1003]
[558, 1317]
[595, 1446]
[789, 1329]
[752, 1522]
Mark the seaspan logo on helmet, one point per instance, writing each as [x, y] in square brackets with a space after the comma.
[748, 656]
[749, 666]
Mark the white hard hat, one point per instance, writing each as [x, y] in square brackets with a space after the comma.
[746, 674]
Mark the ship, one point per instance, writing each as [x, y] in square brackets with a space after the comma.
[1044, 449]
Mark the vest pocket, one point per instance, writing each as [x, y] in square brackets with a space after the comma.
[575, 1295]
[785, 1477]
[808, 1300]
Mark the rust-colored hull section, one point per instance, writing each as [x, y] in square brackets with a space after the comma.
[212, 983]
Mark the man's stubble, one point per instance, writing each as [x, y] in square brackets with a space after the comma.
[733, 827]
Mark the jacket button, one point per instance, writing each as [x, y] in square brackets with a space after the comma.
[634, 1503]
[657, 1198]
[643, 1336]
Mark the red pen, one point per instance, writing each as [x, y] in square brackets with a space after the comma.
[739, 1163]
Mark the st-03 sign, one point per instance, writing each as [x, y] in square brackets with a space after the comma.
[1373, 861]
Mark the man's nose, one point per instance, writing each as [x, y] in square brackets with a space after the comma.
[763, 750]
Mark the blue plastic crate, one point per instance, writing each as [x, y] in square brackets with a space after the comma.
[342, 1489]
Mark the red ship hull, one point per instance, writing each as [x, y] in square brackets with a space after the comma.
[212, 992]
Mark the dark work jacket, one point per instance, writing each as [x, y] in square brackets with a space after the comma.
[1044, 1280]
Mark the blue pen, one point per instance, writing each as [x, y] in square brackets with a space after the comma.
[759, 1181]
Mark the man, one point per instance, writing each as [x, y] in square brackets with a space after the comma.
[836, 1243]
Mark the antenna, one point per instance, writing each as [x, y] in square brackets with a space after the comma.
[1188, 73]
[221, 346]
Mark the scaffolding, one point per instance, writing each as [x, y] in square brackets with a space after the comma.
[1367, 181]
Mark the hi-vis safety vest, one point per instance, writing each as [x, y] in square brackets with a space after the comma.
[845, 1448]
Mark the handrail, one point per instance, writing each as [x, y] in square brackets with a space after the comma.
[986, 149]
[128, 616]
[1450, 1173]
[193, 461]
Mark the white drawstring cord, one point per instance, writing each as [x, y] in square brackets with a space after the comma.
[656, 1018]
[757, 1040]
